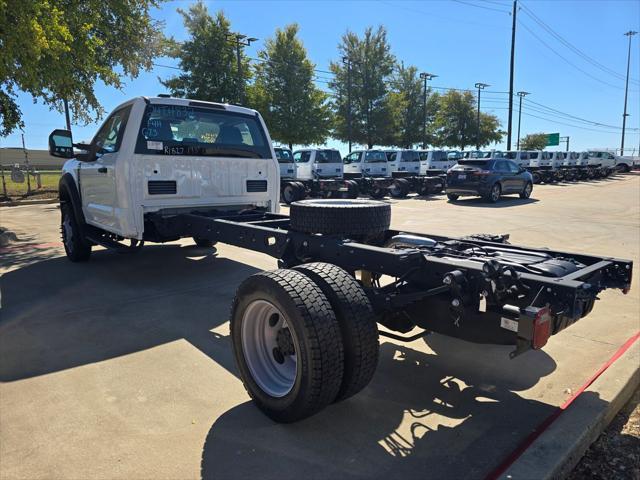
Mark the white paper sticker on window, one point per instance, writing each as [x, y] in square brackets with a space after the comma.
[152, 145]
[509, 324]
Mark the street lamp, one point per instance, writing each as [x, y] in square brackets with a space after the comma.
[425, 76]
[347, 61]
[521, 95]
[629, 34]
[240, 40]
[479, 86]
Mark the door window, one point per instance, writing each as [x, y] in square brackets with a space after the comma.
[513, 168]
[352, 158]
[301, 157]
[109, 137]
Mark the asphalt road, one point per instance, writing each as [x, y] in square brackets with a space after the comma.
[122, 367]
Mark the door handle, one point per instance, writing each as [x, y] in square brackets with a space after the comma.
[102, 170]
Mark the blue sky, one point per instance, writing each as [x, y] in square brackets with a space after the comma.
[462, 41]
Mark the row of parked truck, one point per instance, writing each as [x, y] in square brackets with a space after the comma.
[323, 172]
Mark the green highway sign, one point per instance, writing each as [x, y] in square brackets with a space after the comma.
[553, 139]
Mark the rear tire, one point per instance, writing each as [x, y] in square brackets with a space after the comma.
[287, 344]
[357, 325]
[360, 218]
[77, 248]
[400, 188]
[290, 193]
[377, 193]
[494, 193]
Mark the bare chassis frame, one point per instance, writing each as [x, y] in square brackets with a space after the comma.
[451, 289]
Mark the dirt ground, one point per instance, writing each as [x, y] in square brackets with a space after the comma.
[616, 453]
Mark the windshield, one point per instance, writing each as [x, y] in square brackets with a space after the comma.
[328, 156]
[284, 155]
[302, 156]
[410, 156]
[375, 156]
[200, 131]
[454, 155]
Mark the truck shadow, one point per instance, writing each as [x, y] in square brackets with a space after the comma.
[449, 413]
[57, 315]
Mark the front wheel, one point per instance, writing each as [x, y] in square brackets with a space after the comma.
[77, 248]
[452, 197]
[287, 344]
[526, 192]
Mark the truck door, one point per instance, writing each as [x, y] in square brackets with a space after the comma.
[98, 176]
[302, 158]
[411, 161]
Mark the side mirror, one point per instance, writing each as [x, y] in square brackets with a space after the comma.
[61, 144]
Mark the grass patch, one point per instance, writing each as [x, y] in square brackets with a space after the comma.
[48, 185]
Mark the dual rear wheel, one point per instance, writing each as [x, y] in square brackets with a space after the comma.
[303, 339]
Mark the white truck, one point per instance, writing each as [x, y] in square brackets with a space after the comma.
[435, 162]
[370, 170]
[406, 165]
[603, 163]
[306, 335]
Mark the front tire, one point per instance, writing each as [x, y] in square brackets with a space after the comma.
[452, 197]
[526, 192]
[77, 248]
[287, 344]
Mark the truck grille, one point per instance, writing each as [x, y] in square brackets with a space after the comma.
[256, 186]
[162, 187]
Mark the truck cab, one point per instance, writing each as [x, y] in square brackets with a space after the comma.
[403, 162]
[602, 162]
[519, 157]
[313, 163]
[366, 163]
[154, 156]
[285, 160]
[434, 162]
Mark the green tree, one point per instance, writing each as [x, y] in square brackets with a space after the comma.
[406, 101]
[56, 50]
[295, 110]
[455, 124]
[208, 59]
[372, 65]
[534, 141]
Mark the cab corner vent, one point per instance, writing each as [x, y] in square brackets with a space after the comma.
[256, 186]
[162, 187]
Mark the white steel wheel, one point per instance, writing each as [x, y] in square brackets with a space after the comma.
[270, 348]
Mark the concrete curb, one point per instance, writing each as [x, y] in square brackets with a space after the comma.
[557, 451]
[29, 202]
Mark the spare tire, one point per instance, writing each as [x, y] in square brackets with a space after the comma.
[340, 217]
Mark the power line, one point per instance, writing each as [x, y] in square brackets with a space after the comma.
[572, 47]
[565, 59]
[481, 6]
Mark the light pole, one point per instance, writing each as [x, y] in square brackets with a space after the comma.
[240, 40]
[346, 60]
[521, 95]
[511, 67]
[425, 76]
[480, 87]
[629, 34]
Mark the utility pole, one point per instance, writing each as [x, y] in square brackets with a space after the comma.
[239, 40]
[513, 50]
[26, 162]
[347, 61]
[480, 87]
[521, 95]
[66, 113]
[425, 76]
[629, 34]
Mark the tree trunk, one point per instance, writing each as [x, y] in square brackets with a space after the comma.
[290, 146]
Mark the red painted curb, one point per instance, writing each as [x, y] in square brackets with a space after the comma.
[539, 430]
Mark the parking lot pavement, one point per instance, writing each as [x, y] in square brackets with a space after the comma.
[122, 367]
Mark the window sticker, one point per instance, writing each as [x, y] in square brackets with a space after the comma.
[153, 145]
